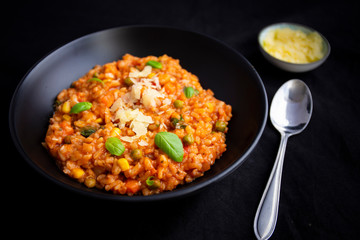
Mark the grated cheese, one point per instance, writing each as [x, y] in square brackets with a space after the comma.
[143, 143]
[144, 73]
[294, 45]
[109, 75]
[166, 101]
[136, 91]
[149, 97]
[138, 121]
[145, 91]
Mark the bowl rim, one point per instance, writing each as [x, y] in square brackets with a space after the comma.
[323, 59]
[176, 193]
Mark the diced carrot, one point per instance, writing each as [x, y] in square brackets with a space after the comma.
[132, 185]
[170, 88]
[66, 127]
[108, 99]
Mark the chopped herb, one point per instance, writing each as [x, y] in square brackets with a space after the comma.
[154, 64]
[174, 122]
[80, 107]
[128, 82]
[87, 131]
[94, 79]
[152, 183]
[56, 104]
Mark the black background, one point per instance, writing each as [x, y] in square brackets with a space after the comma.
[320, 192]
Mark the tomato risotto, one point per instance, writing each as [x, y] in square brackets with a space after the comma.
[137, 126]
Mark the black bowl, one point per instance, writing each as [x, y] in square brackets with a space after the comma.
[231, 77]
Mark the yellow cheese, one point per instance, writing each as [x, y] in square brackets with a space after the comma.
[293, 46]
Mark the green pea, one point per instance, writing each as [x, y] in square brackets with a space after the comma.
[178, 104]
[154, 64]
[220, 126]
[189, 92]
[136, 154]
[188, 139]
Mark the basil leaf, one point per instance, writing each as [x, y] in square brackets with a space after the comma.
[154, 64]
[81, 106]
[171, 144]
[189, 92]
[95, 79]
[114, 146]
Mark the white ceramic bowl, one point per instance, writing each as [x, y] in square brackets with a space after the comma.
[288, 66]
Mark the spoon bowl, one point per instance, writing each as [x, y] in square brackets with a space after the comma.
[290, 113]
[291, 107]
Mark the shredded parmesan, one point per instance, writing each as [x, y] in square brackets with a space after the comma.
[118, 104]
[145, 91]
[128, 139]
[166, 101]
[149, 97]
[138, 122]
[109, 75]
[144, 73]
[143, 143]
[136, 91]
[162, 125]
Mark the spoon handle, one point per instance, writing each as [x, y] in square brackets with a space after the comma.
[267, 212]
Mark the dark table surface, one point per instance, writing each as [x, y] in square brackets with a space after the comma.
[320, 192]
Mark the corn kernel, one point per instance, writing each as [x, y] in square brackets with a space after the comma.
[66, 117]
[90, 182]
[99, 120]
[123, 163]
[189, 129]
[151, 75]
[210, 106]
[66, 107]
[77, 173]
[115, 132]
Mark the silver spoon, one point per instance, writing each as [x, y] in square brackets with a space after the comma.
[290, 112]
